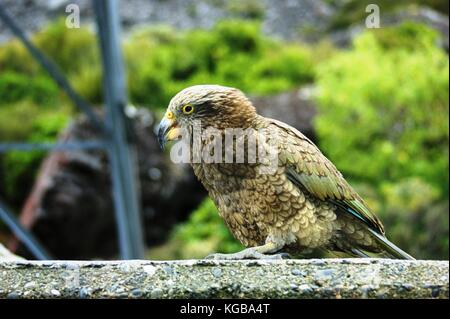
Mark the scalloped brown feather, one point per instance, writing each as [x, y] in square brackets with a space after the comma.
[310, 169]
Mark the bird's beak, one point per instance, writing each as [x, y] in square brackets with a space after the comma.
[168, 129]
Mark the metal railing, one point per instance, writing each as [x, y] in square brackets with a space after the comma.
[116, 139]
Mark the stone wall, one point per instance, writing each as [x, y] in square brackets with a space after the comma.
[313, 278]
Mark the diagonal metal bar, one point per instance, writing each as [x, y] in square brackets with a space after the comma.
[53, 71]
[63, 146]
[23, 234]
[122, 157]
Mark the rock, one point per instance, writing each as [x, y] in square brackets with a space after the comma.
[296, 19]
[295, 108]
[30, 285]
[283, 18]
[306, 20]
[55, 293]
[238, 279]
[136, 293]
[216, 272]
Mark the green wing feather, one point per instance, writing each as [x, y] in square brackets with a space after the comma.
[309, 169]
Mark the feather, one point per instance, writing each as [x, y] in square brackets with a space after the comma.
[330, 184]
[389, 247]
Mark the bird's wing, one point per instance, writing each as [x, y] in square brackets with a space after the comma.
[310, 170]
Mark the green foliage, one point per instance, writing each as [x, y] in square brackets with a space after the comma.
[16, 120]
[402, 118]
[14, 86]
[407, 36]
[418, 222]
[354, 11]
[234, 53]
[70, 49]
[25, 121]
[14, 57]
[203, 233]
[88, 83]
[19, 168]
[383, 119]
[160, 62]
[74, 51]
[31, 105]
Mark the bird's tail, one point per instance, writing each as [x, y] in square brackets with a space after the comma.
[389, 248]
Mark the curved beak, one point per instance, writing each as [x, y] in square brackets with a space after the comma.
[168, 130]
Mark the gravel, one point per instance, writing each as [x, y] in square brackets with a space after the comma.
[326, 278]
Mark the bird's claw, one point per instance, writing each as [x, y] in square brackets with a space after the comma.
[247, 254]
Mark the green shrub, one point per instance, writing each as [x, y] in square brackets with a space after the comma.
[383, 120]
[203, 233]
[26, 121]
[396, 104]
[15, 57]
[16, 120]
[88, 83]
[15, 86]
[407, 36]
[234, 53]
[70, 49]
[354, 11]
[74, 51]
[417, 222]
[160, 62]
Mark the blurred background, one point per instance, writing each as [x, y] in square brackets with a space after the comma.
[374, 100]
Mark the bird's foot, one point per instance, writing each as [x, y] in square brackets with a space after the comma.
[248, 253]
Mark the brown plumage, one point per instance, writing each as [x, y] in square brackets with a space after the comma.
[302, 203]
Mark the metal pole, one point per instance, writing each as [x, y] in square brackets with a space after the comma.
[53, 147]
[123, 163]
[23, 234]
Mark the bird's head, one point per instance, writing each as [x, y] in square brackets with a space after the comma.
[210, 105]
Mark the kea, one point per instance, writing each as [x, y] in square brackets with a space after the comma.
[303, 204]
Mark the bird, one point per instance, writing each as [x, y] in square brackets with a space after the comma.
[300, 205]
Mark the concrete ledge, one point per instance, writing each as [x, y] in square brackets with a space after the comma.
[314, 278]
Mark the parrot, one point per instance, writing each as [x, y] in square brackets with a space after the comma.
[293, 202]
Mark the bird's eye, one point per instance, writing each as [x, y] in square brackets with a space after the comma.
[188, 109]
